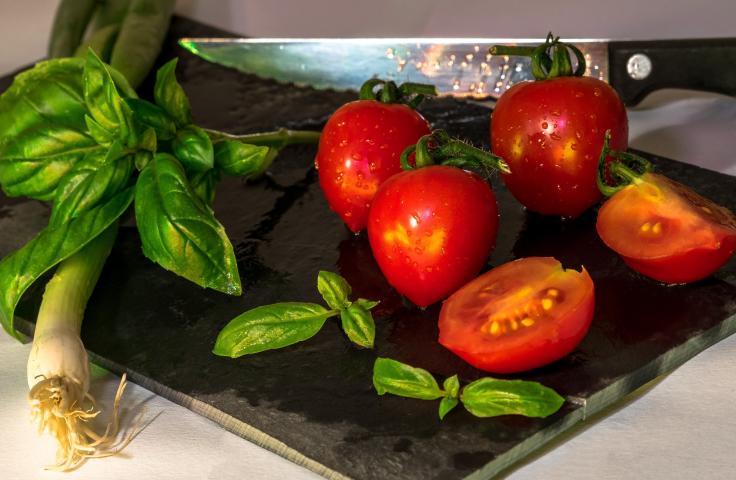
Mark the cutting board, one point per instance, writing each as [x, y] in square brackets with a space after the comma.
[314, 403]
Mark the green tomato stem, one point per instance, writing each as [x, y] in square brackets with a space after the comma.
[439, 148]
[549, 60]
[618, 169]
[410, 94]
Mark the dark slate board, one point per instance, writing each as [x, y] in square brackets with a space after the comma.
[314, 403]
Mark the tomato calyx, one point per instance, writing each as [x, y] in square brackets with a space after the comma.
[438, 148]
[386, 91]
[627, 168]
[549, 60]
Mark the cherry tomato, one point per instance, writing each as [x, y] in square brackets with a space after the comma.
[518, 316]
[431, 230]
[359, 149]
[550, 133]
[666, 231]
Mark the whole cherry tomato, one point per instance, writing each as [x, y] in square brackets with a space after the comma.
[662, 228]
[359, 149]
[518, 316]
[550, 132]
[431, 230]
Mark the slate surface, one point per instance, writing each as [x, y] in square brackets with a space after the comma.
[317, 397]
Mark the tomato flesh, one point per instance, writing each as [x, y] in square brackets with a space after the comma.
[360, 147]
[666, 231]
[431, 230]
[519, 316]
[550, 132]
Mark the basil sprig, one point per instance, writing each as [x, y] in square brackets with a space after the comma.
[279, 325]
[73, 132]
[487, 397]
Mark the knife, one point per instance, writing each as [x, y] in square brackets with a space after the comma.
[462, 67]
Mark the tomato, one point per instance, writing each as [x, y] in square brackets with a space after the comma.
[431, 230]
[359, 149]
[666, 231]
[518, 316]
[550, 133]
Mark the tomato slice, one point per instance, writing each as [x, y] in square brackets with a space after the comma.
[666, 231]
[518, 316]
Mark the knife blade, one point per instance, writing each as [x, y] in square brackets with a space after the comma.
[462, 67]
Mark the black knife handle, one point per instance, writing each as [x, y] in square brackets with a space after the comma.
[705, 64]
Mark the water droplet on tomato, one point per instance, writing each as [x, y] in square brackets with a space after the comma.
[428, 269]
[418, 249]
[372, 167]
[597, 92]
[370, 141]
[341, 124]
[554, 136]
[573, 146]
[348, 214]
[544, 125]
[592, 116]
[555, 113]
[579, 94]
[383, 146]
[343, 143]
[578, 134]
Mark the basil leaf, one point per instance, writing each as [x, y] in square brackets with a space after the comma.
[334, 289]
[358, 325]
[179, 232]
[193, 148]
[42, 128]
[153, 116]
[489, 397]
[269, 327]
[366, 304]
[242, 159]
[451, 386]
[52, 245]
[446, 405]
[90, 182]
[390, 376]
[142, 159]
[104, 102]
[169, 95]
[204, 185]
[98, 132]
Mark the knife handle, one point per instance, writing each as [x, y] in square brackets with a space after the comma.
[637, 68]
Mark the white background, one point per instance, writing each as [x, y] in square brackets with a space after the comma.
[680, 427]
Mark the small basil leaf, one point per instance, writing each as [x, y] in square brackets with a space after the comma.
[90, 182]
[193, 148]
[98, 132]
[367, 304]
[142, 158]
[179, 232]
[153, 116]
[358, 325]
[169, 95]
[204, 185]
[42, 128]
[451, 386]
[334, 289]
[269, 327]
[446, 405]
[242, 159]
[104, 102]
[390, 376]
[489, 397]
[148, 140]
[52, 245]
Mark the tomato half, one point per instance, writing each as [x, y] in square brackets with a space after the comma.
[431, 230]
[550, 133]
[666, 231]
[360, 147]
[518, 316]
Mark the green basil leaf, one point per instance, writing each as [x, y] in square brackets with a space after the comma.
[52, 245]
[334, 289]
[269, 327]
[366, 304]
[98, 132]
[142, 159]
[153, 116]
[446, 405]
[204, 185]
[105, 104]
[42, 128]
[358, 325]
[242, 159]
[179, 232]
[451, 386]
[169, 95]
[90, 182]
[489, 397]
[390, 376]
[193, 148]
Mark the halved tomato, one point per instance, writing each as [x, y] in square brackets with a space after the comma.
[666, 231]
[518, 316]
